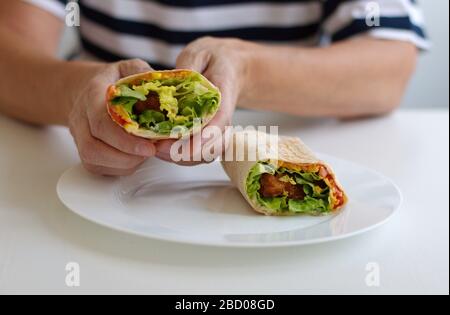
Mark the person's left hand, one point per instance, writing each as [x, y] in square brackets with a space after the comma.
[223, 62]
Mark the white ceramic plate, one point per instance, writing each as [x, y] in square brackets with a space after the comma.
[197, 205]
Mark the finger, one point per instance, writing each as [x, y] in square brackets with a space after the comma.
[103, 128]
[164, 149]
[209, 139]
[193, 60]
[216, 147]
[164, 152]
[224, 115]
[94, 152]
[222, 119]
[205, 150]
[215, 143]
[133, 66]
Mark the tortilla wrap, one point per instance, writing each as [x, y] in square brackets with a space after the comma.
[125, 119]
[279, 153]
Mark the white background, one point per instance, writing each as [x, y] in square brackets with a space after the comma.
[429, 88]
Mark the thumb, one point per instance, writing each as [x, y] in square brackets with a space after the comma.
[197, 61]
[133, 66]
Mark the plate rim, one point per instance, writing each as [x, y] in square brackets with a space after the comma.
[223, 244]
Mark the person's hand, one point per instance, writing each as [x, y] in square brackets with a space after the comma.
[104, 147]
[223, 62]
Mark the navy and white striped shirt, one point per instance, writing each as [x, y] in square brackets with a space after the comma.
[157, 30]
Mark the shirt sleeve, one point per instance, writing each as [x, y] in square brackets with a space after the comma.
[384, 19]
[55, 7]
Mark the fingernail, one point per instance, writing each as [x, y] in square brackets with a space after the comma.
[144, 149]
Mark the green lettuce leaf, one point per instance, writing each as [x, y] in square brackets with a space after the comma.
[168, 102]
[125, 91]
[311, 188]
[316, 201]
[164, 127]
[274, 203]
[126, 102]
[189, 112]
[309, 205]
[181, 102]
[150, 118]
[145, 88]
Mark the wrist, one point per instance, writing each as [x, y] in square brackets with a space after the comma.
[248, 53]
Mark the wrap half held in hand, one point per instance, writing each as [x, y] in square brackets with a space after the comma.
[163, 104]
[281, 176]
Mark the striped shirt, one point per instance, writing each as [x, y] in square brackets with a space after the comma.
[157, 30]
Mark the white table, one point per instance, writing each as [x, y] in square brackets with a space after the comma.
[39, 236]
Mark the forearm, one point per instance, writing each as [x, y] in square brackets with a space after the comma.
[35, 86]
[354, 78]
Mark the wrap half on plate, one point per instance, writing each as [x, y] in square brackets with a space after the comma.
[163, 104]
[280, 176]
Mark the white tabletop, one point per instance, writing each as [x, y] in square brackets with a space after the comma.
[39, 236]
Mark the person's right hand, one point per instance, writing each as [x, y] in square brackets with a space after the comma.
[104, 147]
